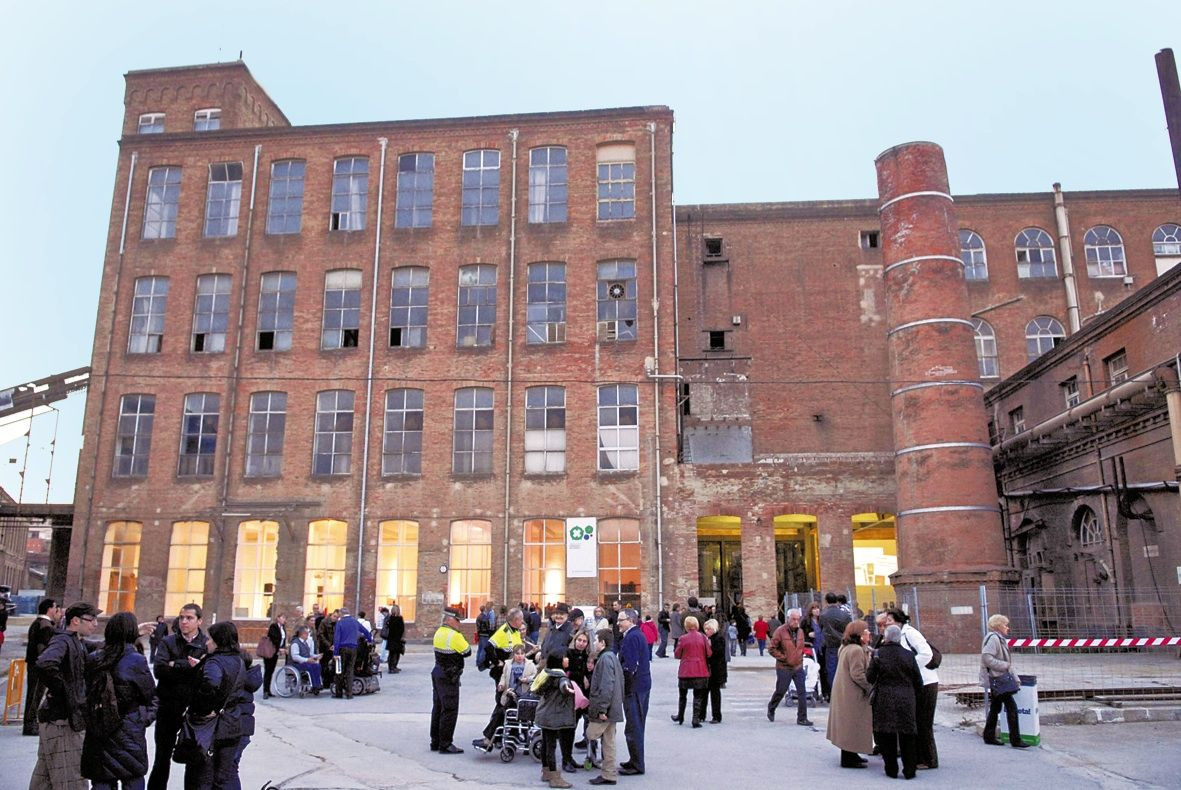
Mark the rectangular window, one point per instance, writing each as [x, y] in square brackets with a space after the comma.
[265, 432]
[323, 581]
[476, 315]
[545, 561]
[717, 340]
[1017, 420]
[133, 443]
[207, 120]
[350, 193]
[332, 449]
[714, 248]
[211, 313]
[223, 199]
[342, 309]
[545, 431]
[408, 307]
[285, 206]
[547, 184]
[416, 191]
[472, 449]
[620, 569]
[619, 432]
[1117, 367]
[545, 312]
[397, 566]
[254, 569]
[469, 578]
[617, 181]
[868, 239]
[1070, 392]
[162, 203]
[147, 315]
[276, 311]
[151, 123]
[198, 434]
[186, 565]
[401, 450]
[118, 578]
[617, 301]
[481, 188]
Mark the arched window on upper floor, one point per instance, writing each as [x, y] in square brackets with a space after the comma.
[1166, 246]
[1042, 334]
[1104, 248]
[986, 349]
[1035, 254]
[973, 255]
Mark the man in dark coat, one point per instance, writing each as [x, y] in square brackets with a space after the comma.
[176, 680]
[158, 634]
[662, 625]
[40, 633]
[637, 688]
[832, 622]
[277, 635]
[742, 624]
[559, 635]
[450, 651]
[62, 666]
[897, 683]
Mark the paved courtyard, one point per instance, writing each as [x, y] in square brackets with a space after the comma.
[380, 741]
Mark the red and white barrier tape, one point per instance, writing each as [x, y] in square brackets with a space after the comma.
[1156, 641]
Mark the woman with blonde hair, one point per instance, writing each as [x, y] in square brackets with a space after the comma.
[718, 670]
[850, 719]
[694, 650]
[1000, 682]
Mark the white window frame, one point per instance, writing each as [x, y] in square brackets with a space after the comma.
[480, 202]
[1104, 249]
[162, 202]
[276, 310]
[341, 322]
[350, 193]
[207, 119]
[474, 424]
[1116, 366]
[333, 432]
[133, 441]
[415, 193]
[616, 291]
[974, 255]
[401, 449]
[616, 185]
[265, 434]
[1166, 240]
[198, 434]
[545, 307]
[986, 350]
[285, 197]
[1070, 392]
[1035, 259]
[410, 292]
[151, 123]
[545, 430]
[1090, 532]
[618, 428]
[211, 314]
[548, 184]
[223, 200]
[149, 303]
[1041, 330]
[475, 315]
[1017, 420]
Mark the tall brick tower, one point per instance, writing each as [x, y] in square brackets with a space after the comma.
[948, 520]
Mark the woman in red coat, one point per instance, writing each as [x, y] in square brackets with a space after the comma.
[693, 650]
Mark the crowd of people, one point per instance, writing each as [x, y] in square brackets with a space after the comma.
[91, 703]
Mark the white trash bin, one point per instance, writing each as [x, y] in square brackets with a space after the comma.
[1027, 715]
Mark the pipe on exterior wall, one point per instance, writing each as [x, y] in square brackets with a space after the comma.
[1063, 222]
[102, 385]
[1168, 377]
[508, 426]
[656, 354]
[232, 405]
[384, 142]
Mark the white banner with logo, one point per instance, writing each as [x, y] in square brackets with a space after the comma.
[582, 548]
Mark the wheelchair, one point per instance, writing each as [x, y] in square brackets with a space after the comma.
[518, 733]
[291, 681]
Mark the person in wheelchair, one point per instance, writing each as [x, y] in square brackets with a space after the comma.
[303, 654]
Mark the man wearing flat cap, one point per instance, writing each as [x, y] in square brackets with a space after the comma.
[559, 634]
[450, 651]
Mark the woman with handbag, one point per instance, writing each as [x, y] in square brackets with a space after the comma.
[215, 714]
[394, 643]
[270, 647]
[120, 704]
[694, 650]
[999, 682]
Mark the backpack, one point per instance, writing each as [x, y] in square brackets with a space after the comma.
[102, 706]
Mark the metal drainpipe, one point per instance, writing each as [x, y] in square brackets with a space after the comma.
[1168, 378]
[233, 399]
[656, 356]
[1067, 260]
[369, 377]
[102, 387]
[508, 427]
[676, 316]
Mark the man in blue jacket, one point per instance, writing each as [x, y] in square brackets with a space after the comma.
[637, 686]
[344, 644]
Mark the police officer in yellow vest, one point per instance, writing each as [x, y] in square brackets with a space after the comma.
[450, 651]
[500, 652]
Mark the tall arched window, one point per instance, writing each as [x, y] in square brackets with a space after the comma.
[254, 568]
[1041, 335]
[545, 561]
[986, 349]
[469, 580]
[1035, 254]
[1087, 528]
[323, 581]
[621, 573]
[186, 566]
[1104, 248]
[973, 255]
[120, 569]
[397, 566]
[1166, 246]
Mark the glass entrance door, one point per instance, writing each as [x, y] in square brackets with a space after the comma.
[719, 570]
[791, 567]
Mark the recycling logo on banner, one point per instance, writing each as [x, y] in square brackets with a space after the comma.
[582, 548]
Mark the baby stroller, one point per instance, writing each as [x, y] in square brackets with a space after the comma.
[811, 681]
[518, 731]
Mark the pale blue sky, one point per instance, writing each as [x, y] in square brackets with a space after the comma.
[778, 101]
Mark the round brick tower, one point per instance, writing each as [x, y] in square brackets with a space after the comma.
[949, 528]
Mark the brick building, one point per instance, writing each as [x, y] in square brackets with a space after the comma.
[357, 363]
